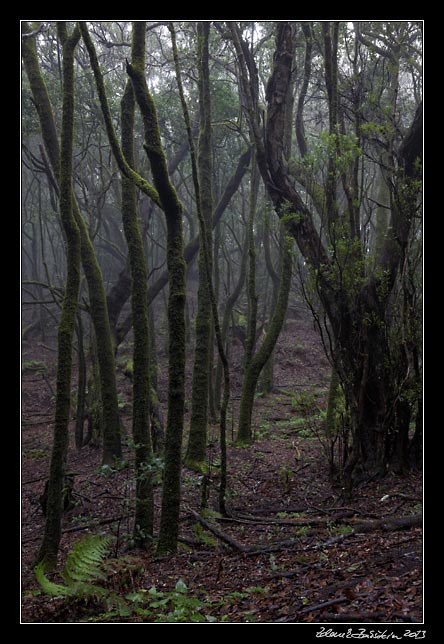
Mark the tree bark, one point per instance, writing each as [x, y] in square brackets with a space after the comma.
[258, 361]
[197, 442]
[54, 506]
[172, 207]
[99, 313]
[144, 512]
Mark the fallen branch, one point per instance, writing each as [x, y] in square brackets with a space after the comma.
[219, 534]
[289, 510]
[300, 521]
[391, 524]
[94, 524]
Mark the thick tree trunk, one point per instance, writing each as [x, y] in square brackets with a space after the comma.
[357, 311]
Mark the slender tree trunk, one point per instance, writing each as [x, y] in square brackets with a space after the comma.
[229, 304]
[54, 507]
[144, 513]
[172, 207]
[207, 265]
[81, 384]
[258, 361]
[192, 248]
[267, 378]
[197, 442]
[252, 297]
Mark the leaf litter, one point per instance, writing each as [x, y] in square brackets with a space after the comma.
[300, 558]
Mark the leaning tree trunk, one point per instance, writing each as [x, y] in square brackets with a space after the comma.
[357, 317]
[54, 507]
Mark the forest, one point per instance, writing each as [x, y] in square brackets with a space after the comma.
[222, 323]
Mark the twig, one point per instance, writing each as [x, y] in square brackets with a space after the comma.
[291, 522]
[330, 602]
[354, 617]
[288, 510]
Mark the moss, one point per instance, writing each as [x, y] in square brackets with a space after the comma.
[99, 312]
[49, 547]
[144, 513]
[259, 360]
[172, 207]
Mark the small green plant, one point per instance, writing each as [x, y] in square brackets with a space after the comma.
[302, 531]
[341, 530]
[169, 606]
[35, 366]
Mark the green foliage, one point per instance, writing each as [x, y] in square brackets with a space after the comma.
[36, 366]
[85, 568]
[343, 148]
[342, 530]
[82, 569]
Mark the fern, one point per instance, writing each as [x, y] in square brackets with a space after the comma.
[82, 569]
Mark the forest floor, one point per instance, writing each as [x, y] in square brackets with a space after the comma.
[292, 549]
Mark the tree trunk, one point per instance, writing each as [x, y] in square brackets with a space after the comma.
[358, 309]
[197, 443]
[172, 207]
[99, 313]
[54, 506]
[144, 513]
[258, 361]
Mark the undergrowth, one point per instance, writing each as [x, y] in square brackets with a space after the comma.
[86, 565]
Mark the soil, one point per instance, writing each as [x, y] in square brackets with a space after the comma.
[292, 550]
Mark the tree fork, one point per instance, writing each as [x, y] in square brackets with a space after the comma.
[172, 207]
[260, 358]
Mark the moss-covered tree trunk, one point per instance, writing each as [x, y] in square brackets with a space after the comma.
[258, 361]
[228, 310]
[267, 376]
[172, 207]
[144, 512]
[54, 507]
[204, 29]
[192, 248]
[252, 298]
[197, 442]
[98, 306]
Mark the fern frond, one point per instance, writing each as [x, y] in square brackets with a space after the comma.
[81, 569]
[84, 561]
[48, 586]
